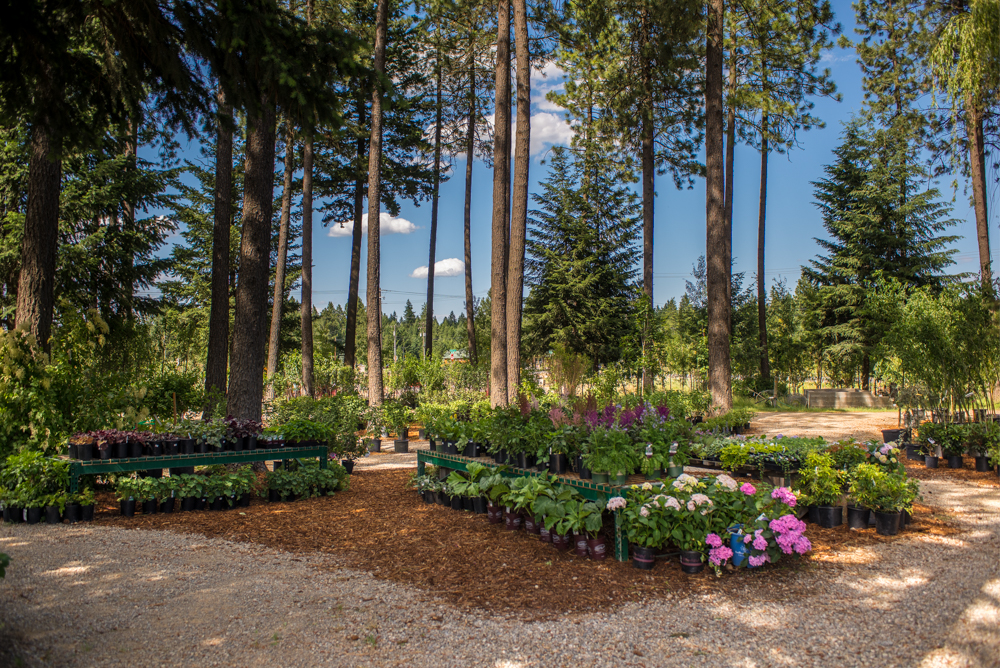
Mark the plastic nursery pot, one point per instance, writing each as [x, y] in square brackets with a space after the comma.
[558, 464]
[85, 452]
[188, 503]
[512, 521]
[562, 543]
[930, 461]
[167, 505]
[582, 470]
[443, 499]
[596, 549]
[347, 464]
[87, 513]
[911, 453]
[456, 503]
[273, 495]
[104, 453]
[643, 558]
[245, 500]
[149, 507]
[427, 496]
[12, 515]
[494, 513]
[544, 534]
[466, 503]
[600, 477]
[375, 445]
[471, 450]
[829, 516]
[479, 505]
[621, 479]
[200, 503]
[983, 464]
[580, 545]
[121, 450]
[72, 451]
[217, 503]
[675, 471]
[691, 562]
[857, 518]
[128, 507]
[886, 524]
[401, 446]
[891, 435]
[955, 461]
[33, 515]
[135, 450]
[52, 515]
[73, 513]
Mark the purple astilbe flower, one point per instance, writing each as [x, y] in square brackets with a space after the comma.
[593, 419]
[627, 418]
[664, 412]
[608, 418]
[639, 411]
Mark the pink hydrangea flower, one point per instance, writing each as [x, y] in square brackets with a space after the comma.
[747, 539]
[748, 489]
[784, 495]
[713, 540]
[759, 543]
[644, 511]
[719, 555]
[758, 560]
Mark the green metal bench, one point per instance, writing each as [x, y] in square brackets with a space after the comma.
[78, 468]
[593, 491]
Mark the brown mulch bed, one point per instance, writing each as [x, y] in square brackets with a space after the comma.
[381, 526]
[967, 473]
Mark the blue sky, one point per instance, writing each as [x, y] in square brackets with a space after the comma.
[792, 219]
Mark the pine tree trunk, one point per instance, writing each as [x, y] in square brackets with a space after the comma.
[307, 266]
[374, 211]
[274, 341]
[648, 203]
[307, 248]
[470, 152]
[730, 163]
[765, 365]
[250, 324]
[977, 163]
[217, 359]
[500, 227]
[128, 210]
[36, 282]
[429, 319]
[351, 331]
[519, 207]
[719, 370]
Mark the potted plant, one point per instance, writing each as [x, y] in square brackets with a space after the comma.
[126, 492]
[583, 519]
[611, 453]
[821, 485]
[398, 417]
[953, 438]
[929, 443]
[375, 417]
[983, 438]
[85, 501]
[886, 494]
[84, 444]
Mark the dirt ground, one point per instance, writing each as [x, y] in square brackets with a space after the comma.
[833, 425]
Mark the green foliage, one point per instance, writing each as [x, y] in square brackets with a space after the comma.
[4, 563]
[308, 480]
[611, 451]
[30, 480]
[875, 488]
[820, 482]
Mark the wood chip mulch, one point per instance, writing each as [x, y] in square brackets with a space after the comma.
[967, 473]
[383, 527]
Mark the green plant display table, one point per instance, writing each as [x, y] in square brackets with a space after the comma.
[78, 468]
[588, 489]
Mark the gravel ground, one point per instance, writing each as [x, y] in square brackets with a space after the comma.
[101, 596]
[861, 425]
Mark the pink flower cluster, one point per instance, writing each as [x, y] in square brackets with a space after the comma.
[748, 489]
[759, 560]
[719, 555]
[713, 540]
[667, 501]
[788, 534]
[616, 503]
[784, 495]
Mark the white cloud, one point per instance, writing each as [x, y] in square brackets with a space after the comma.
[387, 225]
[548, 73]
[547, 130]
[450, 267]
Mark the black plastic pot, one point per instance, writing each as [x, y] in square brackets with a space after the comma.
[87, 513]
[451, 448]
[983, 464]
[829, 516]
[456, 503]
[171, 448]
[479, 505]
[560, 542]
[494, 514]
[12, 515]
[467, 503]
[128, 507]
[273, 495]
[857, 518]
[52, 515]
[120, 451]
[954, 461]
[200, 503]
[73, 513]
[521, 460]
[33, 515]
[157, 449]
[135, 450]
[891, 434]
[150, 506]
[886, 524]
[245, 500]
[217, 503]
[348, 464]
[167, 505]
[85, 452]
[582, 470]
[558, 464]
[72, 452]
[401, 445]
[375, 445]
[930, 461]
[471, 449]
[188, 503]
[500, 457]
[691, 562]
[104, 453]
[186, 446]
[442, 499]
[911, 453]
[202, 448]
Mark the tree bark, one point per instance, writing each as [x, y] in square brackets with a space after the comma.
[977, 163]
[470, 153]
[648, 203]
[730, 162]
[274, 341]
[250, 324]
[36, 282]
[717, 244]
[765, 365]
[519, 207]
[429, 316]
[128, 209]
[500, 227]
[374, 312]
[307, 248]
[351, 329]
[217, 358]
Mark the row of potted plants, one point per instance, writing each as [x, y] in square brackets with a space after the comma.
[34, 487]
[936, 440]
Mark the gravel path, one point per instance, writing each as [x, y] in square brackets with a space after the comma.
[88, 596]
[861, 425]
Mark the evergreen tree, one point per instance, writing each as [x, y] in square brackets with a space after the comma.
[878, 227]
[581, 260]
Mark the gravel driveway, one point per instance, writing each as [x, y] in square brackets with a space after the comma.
[99, 596]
